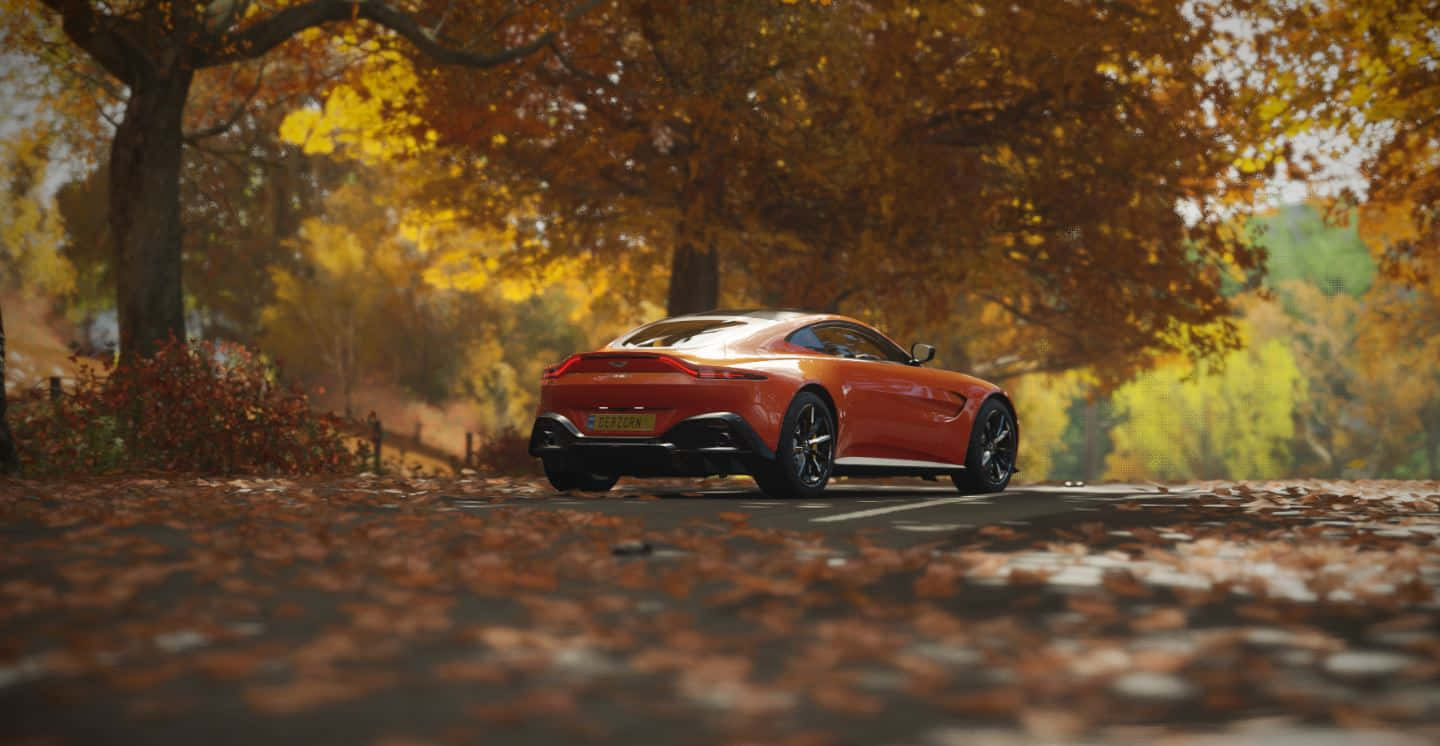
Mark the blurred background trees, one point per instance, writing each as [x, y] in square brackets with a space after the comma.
[1076, 200]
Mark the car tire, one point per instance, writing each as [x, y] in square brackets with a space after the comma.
[564, 481]
[990, 457]
[801, 469]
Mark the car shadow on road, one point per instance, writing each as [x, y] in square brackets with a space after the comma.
[838, 492]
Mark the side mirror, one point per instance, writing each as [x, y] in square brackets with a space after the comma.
[921, 353]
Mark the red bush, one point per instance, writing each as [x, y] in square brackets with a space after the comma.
[201, 407]
[508, 452]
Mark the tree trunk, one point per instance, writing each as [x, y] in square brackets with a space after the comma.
[1432, 440]
[1432, 454]
[1091, 470]
[694, 280]
[145, 212]
[9, 458]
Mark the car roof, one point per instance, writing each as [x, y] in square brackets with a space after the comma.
[768, 320]
[763, 323]
[799, 316]
[769, 314]
[783, 320]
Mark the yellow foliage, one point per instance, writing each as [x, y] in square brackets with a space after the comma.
[1180, 422]
[372, 116]
[1042, 403]
[31, 231]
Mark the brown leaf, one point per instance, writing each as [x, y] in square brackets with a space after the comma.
[470, 670]
[841, 698]
[1053, 723]
[1097, 609]
[938, 581]
[535, 704]
[314, 691]
[1124, 583]
[229, 664]
[1159, 619]
[144, 678]
[998, 532]
[1021, 576]
[989, 702]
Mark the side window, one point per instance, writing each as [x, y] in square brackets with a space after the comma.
[838, 341]
[806, 338]
[842, 340]
[885, 349]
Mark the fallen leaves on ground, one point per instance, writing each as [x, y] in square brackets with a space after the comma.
[344, 600]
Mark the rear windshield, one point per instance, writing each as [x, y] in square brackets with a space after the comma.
[686, 333]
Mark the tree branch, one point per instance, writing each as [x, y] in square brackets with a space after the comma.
[222, 127]
[260, 38]
[92, 32]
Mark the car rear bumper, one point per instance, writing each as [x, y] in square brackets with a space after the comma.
[711, 443]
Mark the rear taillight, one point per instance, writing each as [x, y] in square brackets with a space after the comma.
[728, 374]
[555, 371]
[611, 363]
[711, 373]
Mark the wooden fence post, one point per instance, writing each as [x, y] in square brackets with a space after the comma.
[54, 389]
[469, 449]
[377, 436]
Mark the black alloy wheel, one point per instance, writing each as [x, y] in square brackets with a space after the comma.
[990, 459]
[806, 453]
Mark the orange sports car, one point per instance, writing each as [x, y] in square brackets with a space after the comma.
[789, 397]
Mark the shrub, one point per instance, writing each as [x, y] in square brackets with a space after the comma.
[508, 452]
[200, 407]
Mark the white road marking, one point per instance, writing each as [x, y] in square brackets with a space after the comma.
[897, 508]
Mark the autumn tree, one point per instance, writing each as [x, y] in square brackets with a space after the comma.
[30, 237]
[1330, 80]
[1235, 424]
[9, 457]
[1399, 342]
[1066, 198]
[656, 130]
[31, 232]
[390, 294]
[356, 305]
[244, 194]
[1319, 275]
[1399, 338]
[156, 49]
[911, 162]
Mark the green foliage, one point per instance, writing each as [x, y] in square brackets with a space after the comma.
[1302, 246]
[1082, 448]
[190, 408]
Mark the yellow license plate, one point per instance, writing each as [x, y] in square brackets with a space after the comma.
[620, 423]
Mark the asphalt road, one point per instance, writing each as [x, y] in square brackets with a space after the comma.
[897, 513]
